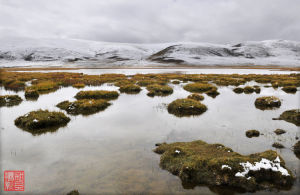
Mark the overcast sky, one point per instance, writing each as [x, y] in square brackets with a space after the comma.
[152, 21]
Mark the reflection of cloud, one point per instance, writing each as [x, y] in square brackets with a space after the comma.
[152, 21]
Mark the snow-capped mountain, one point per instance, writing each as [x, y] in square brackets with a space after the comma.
[26, 51]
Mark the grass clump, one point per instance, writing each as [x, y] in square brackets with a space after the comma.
[31, 94]
[199, 87]
[186, 107]
[212, 93]
[289, 89]
[248, 90]
[291, 116]
[267, 102]
[10, 100]
[84, 106]
[97, 94]
[176, 82]
[159, 90]
[41, 121]
[238, 90]
[198, 163]
[196, 96]
[73, 192]
[78, 85]
[130, 89]
[252, 133]
[296, 149]
[279, 131]
[44, 86]
[277, 145]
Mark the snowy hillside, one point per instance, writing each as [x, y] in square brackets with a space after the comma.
[25, 51]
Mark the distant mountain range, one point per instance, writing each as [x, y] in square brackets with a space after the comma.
[26, 51]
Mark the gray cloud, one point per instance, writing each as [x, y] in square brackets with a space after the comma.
[148, 21]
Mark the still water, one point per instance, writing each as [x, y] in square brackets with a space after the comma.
[111, 151]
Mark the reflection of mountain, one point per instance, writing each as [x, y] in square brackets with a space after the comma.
[273, 52]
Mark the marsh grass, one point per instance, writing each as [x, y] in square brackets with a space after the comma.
[84, 106]
[267, 102]
[252, 133]
[97, 94]
[196, 96]
[78, 85]
[186, 107]
[42, 121]
[159, 90]
[291, 116]
[199, 87]
[198, 163]
[130, 89]
[31, 94]
[10, 100]
[289, 89]
[296, 149]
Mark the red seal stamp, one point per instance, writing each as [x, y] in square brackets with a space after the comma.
[14, 180]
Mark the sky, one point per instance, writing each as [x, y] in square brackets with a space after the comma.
[152, 21]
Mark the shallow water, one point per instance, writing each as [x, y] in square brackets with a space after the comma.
[111, 151]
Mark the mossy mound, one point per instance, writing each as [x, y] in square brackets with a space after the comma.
[73, 192]
[10, 100]
[198, 163]
[267, 102]
[84, 106]
[41, 121]
[238, 90]
[277, 145]
[130, 89]
[212, 93]
[296, 149]
[199, 87]
[31, 94]
[257, 89]
[78, 85]
[176, 82]
[279, 131]
[186, 107]
[159, 90]
[252, 133]
[249, 90]
[97, 94]
[196, 96]
[289, 89]
[291, 116]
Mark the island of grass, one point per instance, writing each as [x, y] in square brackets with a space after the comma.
[296, 149]
[73, 192]
[42, 121]
[279, 131]
[186, 107]
[31, 94]
[238, 90]
[252, 133]
[97, 94]
[267, 102]
[159, 90]
[130, 89]
[198, 163]
[277, 145]
[199, 87]
[289, 89]
[291, 116]
[10, 100]
[44, 87]
[84, 106]
[249, 90]
[196, 96]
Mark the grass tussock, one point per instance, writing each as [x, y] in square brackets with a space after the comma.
[279, 131]
[186, 107]
[31, 94]
[296, 149]
[97, 94]
[159, 90]
[130, 89]
[277, 145]
[78, 85]
[198, 163]
[252, 133]
[41, 121]
[291, 116]
[10, 100]
[267, 102]
[289, 89]
[84, 106]
[198, 87]
[196, 96]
